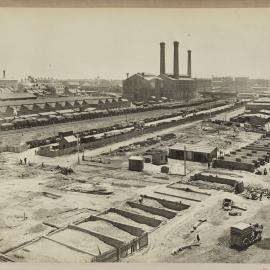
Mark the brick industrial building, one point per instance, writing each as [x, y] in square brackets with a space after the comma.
[144, 86]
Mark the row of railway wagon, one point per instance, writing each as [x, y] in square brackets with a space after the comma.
[113, 130]
[62, 116]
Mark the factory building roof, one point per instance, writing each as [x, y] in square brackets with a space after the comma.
[148, 76]
[167, 76]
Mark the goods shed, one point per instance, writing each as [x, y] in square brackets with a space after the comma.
[68, 141]
[196, 153]
[158, 156]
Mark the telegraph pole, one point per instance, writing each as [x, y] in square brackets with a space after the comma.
[78, 148]
[185, 161]
[53, 129]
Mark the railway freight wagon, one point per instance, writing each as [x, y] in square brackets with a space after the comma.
[56, 113]
[7, 126]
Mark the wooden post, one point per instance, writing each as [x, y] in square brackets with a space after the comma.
[78, 148]
[185, 161]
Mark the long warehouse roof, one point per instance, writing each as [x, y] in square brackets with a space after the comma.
[194, 148]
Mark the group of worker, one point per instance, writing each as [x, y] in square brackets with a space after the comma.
[258, 172]
[21, 161]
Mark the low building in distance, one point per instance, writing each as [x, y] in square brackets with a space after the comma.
[7, 85]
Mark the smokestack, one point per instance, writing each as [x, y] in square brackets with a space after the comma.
[4, 74]
[189, 64]
[175, 60]
[162, 57]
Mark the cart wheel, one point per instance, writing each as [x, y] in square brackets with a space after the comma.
[245, 243]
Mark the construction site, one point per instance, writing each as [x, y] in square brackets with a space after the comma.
[157, 196]
[116, 146]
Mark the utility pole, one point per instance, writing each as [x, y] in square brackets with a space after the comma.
[78, 148]
[185, 160]
[53, 129]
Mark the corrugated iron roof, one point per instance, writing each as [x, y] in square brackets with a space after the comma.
[47, 100]
[194, 148]
[70, 138]
[12, 96]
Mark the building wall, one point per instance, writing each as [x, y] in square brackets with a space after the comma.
[137, 88]
[242, 84]
[8, 83]
[184, 90]
[159, 158]
[192, 156]
[203, 85]
[223, 83]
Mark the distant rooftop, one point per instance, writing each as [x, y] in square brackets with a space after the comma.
[16, 96]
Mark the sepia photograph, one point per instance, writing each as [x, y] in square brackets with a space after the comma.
[134, 135]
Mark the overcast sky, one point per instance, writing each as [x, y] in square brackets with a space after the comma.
[86, 43]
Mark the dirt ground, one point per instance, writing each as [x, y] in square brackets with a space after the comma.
[214, 235]
[24, 206]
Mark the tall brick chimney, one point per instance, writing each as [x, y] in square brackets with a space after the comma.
[162, 57]
[175, 60]
[4, 74]
[189, 64]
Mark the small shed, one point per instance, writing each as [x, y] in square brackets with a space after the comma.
[159, 156]
[135, 163]
[147, 158]
[196, 153]
[68, 141]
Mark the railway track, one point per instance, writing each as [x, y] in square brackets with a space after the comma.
[80, 125]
